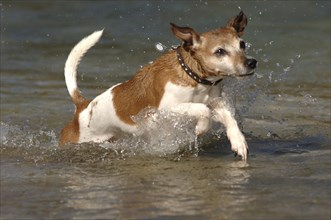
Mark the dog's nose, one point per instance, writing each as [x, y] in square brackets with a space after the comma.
[251, 63]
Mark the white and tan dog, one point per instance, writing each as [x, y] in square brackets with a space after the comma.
[184, 80]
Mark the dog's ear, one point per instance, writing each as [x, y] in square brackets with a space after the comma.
[190, 38]
[238, 23]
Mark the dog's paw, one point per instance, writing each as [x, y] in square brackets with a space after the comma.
[239, 145]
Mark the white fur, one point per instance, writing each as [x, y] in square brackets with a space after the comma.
[99, 121]
[190, 101]
[224, 115]
[200, 102]
[76, 54]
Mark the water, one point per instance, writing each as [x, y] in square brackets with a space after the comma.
[284, 111]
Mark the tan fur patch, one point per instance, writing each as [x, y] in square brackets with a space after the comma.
[146, 88]
[70, 133]
[210, 41]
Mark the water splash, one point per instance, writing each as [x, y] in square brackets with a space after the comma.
[162, 133]
[309, 99]
[24, 137]
[168, 133]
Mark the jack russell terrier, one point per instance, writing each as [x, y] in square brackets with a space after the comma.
[184, 80]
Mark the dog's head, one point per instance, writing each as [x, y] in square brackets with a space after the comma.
[219, 52]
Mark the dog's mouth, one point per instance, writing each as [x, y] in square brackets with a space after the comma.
[247, 74]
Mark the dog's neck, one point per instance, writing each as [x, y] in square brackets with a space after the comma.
[192, 67]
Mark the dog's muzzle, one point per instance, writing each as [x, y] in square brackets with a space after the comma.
[251, 63]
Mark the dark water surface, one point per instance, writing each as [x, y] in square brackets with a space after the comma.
[284, 110]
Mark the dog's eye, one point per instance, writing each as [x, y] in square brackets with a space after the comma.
[220, 52]
[242, 45]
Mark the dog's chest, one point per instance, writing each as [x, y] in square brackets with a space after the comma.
[175, 94]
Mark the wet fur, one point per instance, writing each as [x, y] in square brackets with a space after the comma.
[163, 84]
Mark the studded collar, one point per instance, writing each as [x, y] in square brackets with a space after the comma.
[192, 74]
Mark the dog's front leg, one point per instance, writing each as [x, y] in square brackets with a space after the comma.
[223, 114]
[197, 110]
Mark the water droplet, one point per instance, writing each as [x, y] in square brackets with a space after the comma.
[287, 69]
[309, 99]
[259, 76]
[160, 47]
[265, 60]
[270, 75]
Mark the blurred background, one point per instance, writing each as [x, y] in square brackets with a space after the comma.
[290, 39]
[284, 111]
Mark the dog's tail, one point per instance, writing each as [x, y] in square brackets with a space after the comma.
[70, 69]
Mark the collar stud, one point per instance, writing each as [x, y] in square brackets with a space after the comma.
[192, 74]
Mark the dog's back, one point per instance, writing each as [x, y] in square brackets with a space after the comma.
[184, 80]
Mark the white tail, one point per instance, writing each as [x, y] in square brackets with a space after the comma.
[76, 54]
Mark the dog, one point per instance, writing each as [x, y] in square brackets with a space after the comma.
[184, 80]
